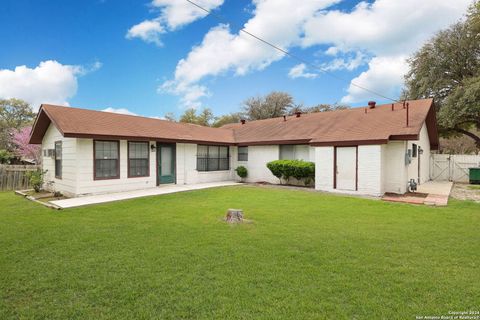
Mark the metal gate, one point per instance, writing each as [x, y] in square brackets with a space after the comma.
[452, 167]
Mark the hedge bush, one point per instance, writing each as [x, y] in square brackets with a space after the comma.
[298, 169]
[242, 172]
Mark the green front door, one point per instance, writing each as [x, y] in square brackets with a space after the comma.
[166, 163]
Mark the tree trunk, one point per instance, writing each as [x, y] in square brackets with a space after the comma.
[469, 134]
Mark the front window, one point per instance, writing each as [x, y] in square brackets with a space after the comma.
[212, 158]
[138, 159]
[107, 156]
[287, 152]
[58, 159]
[242, 153]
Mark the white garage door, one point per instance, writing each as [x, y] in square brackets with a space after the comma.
[346, 168]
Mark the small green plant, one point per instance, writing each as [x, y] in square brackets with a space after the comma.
[5, 156]
[242, 172]
[298, 169]
[36, 179]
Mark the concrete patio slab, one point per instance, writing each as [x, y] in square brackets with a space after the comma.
[431, 193]
[436, 187]
[164, 189]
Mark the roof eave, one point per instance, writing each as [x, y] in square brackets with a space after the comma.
[144, 138]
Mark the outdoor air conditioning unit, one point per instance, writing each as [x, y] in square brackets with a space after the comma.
[49, 153]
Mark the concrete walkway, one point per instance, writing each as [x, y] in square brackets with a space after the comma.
[437, 193]
[165, 189]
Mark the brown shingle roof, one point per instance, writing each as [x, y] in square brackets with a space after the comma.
[74, 122]
[345, 127]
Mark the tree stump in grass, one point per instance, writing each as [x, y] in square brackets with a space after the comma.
[234, 216]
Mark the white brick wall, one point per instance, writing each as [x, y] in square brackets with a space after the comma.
[381, 168]
[370, 170]
[187, 167]
[424, 143]
[324, 168]
[86, 183]
[258, 157]
[68, 183]
[394, 169]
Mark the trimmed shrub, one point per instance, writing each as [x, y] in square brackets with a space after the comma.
[242, 172]
[298, 169]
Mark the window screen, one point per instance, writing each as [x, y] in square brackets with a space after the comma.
[58, 159]
[287, 152]
[242, 153]
[212, 158]
[138, 159]
[106, 159]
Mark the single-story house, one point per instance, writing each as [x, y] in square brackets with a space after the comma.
[370, 150]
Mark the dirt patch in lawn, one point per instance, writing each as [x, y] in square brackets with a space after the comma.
[463, 191]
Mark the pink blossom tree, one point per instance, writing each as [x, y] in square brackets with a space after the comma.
[23, 149]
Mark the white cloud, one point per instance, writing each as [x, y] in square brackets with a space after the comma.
[389, 30]
[384, 75]
[349, 62]
[129, 113]
[174, 14]
[298, 71]
[119, 110]
[148, 31]
[384, 26]
[279, 22]
[332, 51]
[49, 82]
[177, 13]
[190, 93]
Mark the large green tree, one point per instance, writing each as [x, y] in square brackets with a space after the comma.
[447, 68]
[227, 118]
[204, 118]
[275, 104]
[14, 114]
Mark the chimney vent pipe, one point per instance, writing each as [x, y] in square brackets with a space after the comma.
[407, 113]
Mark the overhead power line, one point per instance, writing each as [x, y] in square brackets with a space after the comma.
[291, 55]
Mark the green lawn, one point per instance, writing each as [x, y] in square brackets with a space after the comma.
[306, 256]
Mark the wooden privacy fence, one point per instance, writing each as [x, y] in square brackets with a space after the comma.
[13, 177]
[452, 167]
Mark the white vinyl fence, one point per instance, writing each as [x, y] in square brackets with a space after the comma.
[452, 167]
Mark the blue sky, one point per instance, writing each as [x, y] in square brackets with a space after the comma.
[127, 55]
